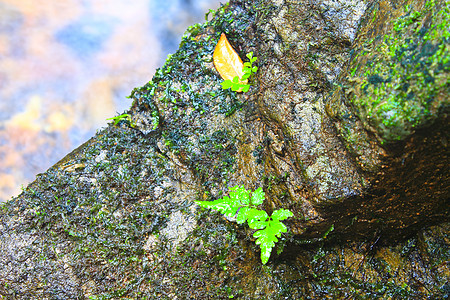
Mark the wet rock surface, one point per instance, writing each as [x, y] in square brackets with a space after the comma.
[117, 218]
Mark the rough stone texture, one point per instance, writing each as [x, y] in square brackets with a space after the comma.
[116, 217]
[391, 108]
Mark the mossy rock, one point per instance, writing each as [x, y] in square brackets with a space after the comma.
[116, 218]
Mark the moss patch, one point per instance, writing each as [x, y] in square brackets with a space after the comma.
[402, 78]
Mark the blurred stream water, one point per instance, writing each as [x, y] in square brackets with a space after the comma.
[68, 65]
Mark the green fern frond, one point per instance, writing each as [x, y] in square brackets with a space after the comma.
[239, 204]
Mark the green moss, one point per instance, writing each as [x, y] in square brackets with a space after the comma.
[404, 81]
[205, 264]
[103, 210]
[106, 208]
[185, 95]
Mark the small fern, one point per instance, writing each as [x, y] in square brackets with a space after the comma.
[241, 205]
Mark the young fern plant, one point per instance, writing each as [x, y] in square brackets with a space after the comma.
[243, 206]
[123, 117]
[240, 84]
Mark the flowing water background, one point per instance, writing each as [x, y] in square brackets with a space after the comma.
[68, 65]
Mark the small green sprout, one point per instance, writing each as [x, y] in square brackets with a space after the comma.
[155, 119]
[124, 117]
[243, 206]
[249, 69]
[237, 84]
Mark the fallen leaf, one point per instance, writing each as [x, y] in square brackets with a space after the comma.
[227, 61]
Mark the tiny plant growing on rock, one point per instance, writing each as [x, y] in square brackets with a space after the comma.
[240, 84]
[230, 67]
[125, 117]
[243, 206]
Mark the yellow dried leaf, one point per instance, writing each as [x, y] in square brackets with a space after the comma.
[227, 61]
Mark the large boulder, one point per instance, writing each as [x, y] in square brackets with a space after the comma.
[345, 125]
